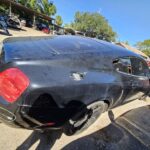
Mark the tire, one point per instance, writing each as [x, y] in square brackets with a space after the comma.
[81, 121]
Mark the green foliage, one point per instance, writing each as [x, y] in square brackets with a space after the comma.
[23, 2]
[33, 4]
[144, 46]
[94, 25]
[147, 52]
[59, 20]
[48, 8]
[44, 6]
[3, 9]
[52, 10]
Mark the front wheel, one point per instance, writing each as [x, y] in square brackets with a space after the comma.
[85, 118]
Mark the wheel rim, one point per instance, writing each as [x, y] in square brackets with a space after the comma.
[89, 117]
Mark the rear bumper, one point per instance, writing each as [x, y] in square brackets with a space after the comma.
[17, 116]
[7, 114]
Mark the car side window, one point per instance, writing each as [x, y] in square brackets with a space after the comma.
[133, 66]
[123, 65]
[139, 67]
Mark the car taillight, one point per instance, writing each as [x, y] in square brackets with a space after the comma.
[13, 82]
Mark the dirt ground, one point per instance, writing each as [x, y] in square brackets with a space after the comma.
[24, 32]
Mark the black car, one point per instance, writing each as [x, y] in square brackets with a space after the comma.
[66, 81]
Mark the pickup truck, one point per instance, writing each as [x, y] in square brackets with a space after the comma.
[66, 82]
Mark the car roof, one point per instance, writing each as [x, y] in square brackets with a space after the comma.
[47, 46]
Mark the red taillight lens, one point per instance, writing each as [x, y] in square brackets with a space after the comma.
[13, 82]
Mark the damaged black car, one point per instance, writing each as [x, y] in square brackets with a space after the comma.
[66, 82]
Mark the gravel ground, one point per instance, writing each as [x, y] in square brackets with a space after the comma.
[12, 139]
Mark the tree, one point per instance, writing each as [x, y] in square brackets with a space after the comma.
[33, 4]
[3, 9]
[52, 10]
[23, 2]
[94, 25]
[59, 20]
[144, 46]
[147, 52]
[42, 6]
[47, 7]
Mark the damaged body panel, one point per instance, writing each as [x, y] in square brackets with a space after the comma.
[66, 74]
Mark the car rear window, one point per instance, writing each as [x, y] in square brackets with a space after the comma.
[72, 45]
[45, 47]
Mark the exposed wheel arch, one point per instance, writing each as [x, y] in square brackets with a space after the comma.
[84, 118]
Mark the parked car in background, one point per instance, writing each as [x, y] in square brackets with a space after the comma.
[79, 33]
[69, 31]
[58, 32]
[29, 23]
[66, 82]
[44, 28]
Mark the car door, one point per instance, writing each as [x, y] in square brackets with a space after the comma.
[139, 79]
[134, 77]
[123, 67]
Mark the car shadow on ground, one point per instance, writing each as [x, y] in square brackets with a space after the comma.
[131, 131]
[46, 140]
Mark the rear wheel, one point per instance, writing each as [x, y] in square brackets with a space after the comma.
[85, 118]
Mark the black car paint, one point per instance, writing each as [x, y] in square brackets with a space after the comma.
[50, 63]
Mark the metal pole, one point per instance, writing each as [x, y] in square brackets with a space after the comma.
[53, 27]
[34, 23]
[10, 9]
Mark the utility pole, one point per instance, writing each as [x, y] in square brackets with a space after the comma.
[10, 9]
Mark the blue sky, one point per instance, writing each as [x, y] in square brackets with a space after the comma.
[129, 18]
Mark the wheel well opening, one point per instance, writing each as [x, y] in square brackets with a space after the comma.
[44, 100]
[107, 102]
[74, 107]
